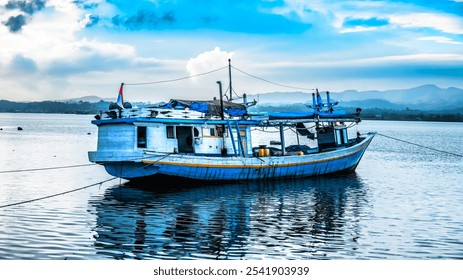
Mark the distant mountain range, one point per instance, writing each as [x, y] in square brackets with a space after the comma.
[426, 97]
[89, 98]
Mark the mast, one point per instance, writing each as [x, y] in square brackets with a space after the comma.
[230, 80]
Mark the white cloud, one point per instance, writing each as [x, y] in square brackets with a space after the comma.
[50, 48]
[86, 48]
[303, 8]
[337, 12]
[208, 61]
[47, 29]
[440, 39]
[52, 35]
[380, 60]
[357, 29]
[86, 20]
[423, 57]
[442, 22]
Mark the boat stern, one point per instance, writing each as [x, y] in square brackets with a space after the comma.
[124, 165]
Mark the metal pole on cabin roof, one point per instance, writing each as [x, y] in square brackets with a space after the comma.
[282, 139]
[230, 79]
[221, 100]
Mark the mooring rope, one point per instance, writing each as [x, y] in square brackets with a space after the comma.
[419, 145]
[70, 166]
[46, 168]
[57, 194]
[70, 191]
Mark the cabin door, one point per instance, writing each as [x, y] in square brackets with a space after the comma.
[185, 139]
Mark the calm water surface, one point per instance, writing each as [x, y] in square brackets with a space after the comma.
[403, 202]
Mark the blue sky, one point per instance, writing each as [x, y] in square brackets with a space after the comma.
[58, 49]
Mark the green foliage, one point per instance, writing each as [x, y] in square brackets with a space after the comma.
[84, 107]
[53, 107]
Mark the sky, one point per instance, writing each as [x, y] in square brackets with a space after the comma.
[163, 49]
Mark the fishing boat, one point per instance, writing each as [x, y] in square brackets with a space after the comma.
[224, 140]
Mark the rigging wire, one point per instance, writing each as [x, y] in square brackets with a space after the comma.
[232, 92]
[265, 80]
[175, 80]
[57, 194]
[422, 146]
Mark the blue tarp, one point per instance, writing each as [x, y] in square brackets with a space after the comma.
[235, 112]
[199, 106]
[212, 107]
[290, 115]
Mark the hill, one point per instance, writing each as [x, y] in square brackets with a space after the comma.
[426, 97]
[89, 98]
[427, 102]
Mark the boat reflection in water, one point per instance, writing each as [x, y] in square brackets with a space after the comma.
[313, 218]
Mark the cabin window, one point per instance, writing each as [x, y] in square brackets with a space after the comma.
[208, 132]
[170, 131]
[195, 132]
[141, 136]
[212, 132]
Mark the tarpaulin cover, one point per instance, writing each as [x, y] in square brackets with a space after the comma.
[211, 107]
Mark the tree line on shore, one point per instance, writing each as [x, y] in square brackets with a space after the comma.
[84, 107]
[54, 107]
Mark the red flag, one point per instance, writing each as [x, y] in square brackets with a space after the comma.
[120, 97]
